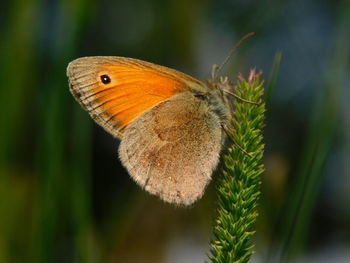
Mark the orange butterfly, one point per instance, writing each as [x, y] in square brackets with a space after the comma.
[169, 124]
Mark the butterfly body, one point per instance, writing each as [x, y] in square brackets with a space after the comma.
[169, 123]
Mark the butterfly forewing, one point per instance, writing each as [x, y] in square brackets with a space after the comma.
[117, 90]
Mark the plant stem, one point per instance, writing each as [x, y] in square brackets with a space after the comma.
[239, 185]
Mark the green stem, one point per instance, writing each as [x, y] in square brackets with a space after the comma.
[239, 186]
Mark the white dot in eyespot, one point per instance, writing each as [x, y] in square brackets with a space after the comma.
[105, 79]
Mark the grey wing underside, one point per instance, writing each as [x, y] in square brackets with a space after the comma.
[172, 149]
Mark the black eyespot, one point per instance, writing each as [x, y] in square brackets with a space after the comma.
[105, 79]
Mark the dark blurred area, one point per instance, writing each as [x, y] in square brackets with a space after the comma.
[64, 196]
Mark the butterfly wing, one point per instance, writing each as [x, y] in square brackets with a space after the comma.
[172, 149]
[116, 90]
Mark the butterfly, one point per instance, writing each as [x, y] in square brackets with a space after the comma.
[171, 125]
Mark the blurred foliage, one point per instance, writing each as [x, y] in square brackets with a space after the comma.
[64, 197]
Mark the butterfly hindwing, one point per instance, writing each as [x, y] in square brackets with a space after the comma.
[172, 149]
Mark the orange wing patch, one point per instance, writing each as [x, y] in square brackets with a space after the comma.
[116, 90]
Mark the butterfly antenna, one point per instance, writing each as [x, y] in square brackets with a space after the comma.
[218, 68]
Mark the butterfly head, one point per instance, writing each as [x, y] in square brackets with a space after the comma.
[219, 99]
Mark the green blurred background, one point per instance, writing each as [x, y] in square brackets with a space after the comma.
[64, 196]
